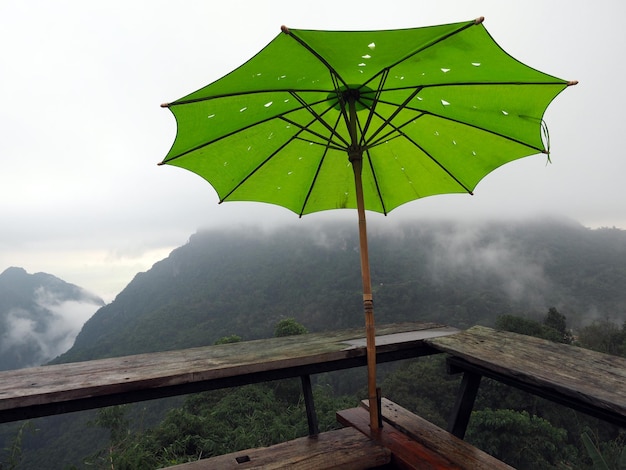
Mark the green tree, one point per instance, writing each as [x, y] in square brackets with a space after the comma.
[558, 323]
[520, 439]
[604, 336]
[526, 326]
[423, 387]
[289, 327]
[228, 339]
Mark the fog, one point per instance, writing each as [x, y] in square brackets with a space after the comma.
[35, 337]
[81, 84]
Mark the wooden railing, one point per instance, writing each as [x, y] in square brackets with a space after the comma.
[580, 379]
[48, 390]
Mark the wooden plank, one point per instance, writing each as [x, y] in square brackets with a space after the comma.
[577, 377]
[443, 443]
[406, 453]
[41, 391]
[343, 449]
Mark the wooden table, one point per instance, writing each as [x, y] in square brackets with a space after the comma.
[63, 388]
[581, 379]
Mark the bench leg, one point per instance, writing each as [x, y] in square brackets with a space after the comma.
[457, 425]
[311, 416]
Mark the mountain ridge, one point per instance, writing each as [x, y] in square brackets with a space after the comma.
[225, 282]
[40, 315]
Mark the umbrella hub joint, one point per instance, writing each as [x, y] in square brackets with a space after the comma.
[355, 153]
[350, 95]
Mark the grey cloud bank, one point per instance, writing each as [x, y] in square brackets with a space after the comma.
[81, 84]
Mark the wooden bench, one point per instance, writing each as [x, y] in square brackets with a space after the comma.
[581, 379]
[418, 444]
[63, 388]
[345, 449]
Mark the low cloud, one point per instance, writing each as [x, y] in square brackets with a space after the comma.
[473, 251]
[33, 338]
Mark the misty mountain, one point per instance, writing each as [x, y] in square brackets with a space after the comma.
[243, 282]
[40, 315]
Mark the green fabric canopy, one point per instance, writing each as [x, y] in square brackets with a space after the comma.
[438, 108]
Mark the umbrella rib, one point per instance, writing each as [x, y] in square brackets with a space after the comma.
[398, 110]
[304, 128]
[256, 123]
[504, 136]
[239, 93]
[394, 129]
[378, 192]
[439, 164]
[318, 117]
[372, 107]
[430, 44]
[425, 112]
[317, 172]
[257, 168]
[443, 85]
[315, 53]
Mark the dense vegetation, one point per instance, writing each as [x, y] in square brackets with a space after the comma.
[223, 283]
[559, 281]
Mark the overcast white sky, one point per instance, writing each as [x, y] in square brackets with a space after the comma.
[82, 131]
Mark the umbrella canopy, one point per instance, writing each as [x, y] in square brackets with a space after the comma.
[321, 120]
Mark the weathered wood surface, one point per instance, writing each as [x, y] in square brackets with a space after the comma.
[406, 453]
[345, 449]
[41, 391]
[459, 453]
[577, 377]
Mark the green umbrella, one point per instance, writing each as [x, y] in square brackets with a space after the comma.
[370, 120]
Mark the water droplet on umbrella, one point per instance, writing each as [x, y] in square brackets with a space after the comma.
[268, 104]
[243, 109]
[445, 103]
[476, 64]
[211, 116]
[372, 45]
[445, 70]
[366, 56]
[505, 112]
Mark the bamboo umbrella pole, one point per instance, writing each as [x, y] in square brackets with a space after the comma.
[356, 158]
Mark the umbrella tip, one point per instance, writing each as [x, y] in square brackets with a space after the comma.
[165, 105]
[572, 83]
[284, 29]
[479, 20]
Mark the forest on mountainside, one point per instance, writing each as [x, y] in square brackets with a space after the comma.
[557, 280]
[461, 274]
